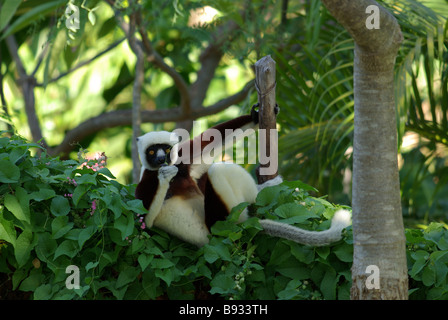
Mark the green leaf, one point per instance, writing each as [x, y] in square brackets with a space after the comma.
[293, 213]
[79, 191]
[328, 284]
[92, 17]
[291, 290]
[428, 276]
[60, 226]
[159, 263]
[222, 283]
[323, 252]
[210, 254]
[23, 247]
[220, 249]
[91, 265]
[33, 281]
[144, 260]
[224, 228]
[107, 173]
[86, 179]
[125, 224]
[299, 184]
[443, 242]
[31, 16]
[67, 248]
[136, 206]
[9, 8]
[85, 235]
[18, 206]
[59, 206]
[42, 194]
[268, 195]
[302, 253]
[7, 230]
[168, 275]
[293, 269]
[9, 172]
[127, 276]
[441, 270]
[417, 267]
[344, 253]
[46, 247]
[44, 292]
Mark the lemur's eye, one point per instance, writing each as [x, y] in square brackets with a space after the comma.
[151, 152]
[168, 150]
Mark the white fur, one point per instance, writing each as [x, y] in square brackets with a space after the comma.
[164, 176]
[157, 137]
[184, 218]
[233, 184]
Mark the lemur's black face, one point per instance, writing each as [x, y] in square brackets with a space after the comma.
[158, 155]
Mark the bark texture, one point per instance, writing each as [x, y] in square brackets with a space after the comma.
[378, 230]
[265, 84]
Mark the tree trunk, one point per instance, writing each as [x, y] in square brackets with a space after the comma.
[379, 268]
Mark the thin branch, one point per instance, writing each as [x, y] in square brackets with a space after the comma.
[136, 96]
[154, 57]
[41, 58]
[27, 84]
[45, 49]
[85, 62]
[124, 118]
[2, 96]
[210, 59]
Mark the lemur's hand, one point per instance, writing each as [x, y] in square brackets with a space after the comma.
[167, 173]
[254, 112]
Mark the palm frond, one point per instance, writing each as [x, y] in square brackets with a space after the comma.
[315, 89]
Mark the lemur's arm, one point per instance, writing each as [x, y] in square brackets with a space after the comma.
[243, 122]
[153, 189]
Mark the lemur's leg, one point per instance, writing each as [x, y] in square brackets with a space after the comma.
[184, 218]
[165, 175]
[233, 184]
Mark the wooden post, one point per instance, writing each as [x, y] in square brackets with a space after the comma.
[268, 147]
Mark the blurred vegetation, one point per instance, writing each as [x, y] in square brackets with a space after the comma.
[314, 58]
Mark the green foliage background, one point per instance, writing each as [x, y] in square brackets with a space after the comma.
[48, 222]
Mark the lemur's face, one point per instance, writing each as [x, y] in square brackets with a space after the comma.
[158, 155]
[157, 149]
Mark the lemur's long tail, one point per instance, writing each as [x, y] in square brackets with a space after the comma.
[341, 220]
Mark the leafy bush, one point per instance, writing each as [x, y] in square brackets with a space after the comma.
[427, 256]
[55, 214]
